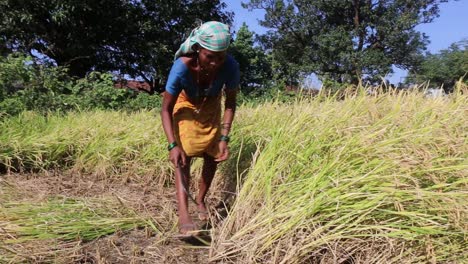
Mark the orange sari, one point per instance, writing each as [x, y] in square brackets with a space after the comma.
[197, 126]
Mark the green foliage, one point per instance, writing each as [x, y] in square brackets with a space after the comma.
[345, 40]
[28, 86]
[144, 101]
[11, 106]
[254, 64]
[15, 69]
[97, 91]
[25, 85]
[131, 37]
[443, 68]
[333, 86]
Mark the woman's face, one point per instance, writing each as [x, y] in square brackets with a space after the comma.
[211, 60]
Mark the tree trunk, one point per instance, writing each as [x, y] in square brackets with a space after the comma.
[357, 72]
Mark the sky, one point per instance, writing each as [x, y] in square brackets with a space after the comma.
[451, 26]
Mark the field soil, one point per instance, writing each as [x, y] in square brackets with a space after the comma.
[141, 245]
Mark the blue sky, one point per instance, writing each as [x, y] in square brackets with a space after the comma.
[451, 26]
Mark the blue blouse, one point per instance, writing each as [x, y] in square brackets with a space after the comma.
[180, 79]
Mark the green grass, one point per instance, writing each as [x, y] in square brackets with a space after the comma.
[104, 143]
[366, 179]
[64, 219]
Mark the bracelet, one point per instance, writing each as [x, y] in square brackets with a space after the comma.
[224, 138]
[172, 145]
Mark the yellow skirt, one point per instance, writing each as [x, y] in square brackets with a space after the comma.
[197, 126]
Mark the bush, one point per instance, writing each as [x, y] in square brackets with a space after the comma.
[15, 71]
[97, 91]
[11, 106]
[144, 101]
[25, 85]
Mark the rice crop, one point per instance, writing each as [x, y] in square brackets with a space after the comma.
[101, 143]
[376, 178]
[63, 219]
[52, 230]
[369, 179]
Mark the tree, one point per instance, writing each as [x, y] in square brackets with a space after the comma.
[345, 40]
[131, 37]
[76, 34]
[443, 68]
[254, 64]
[164, 26]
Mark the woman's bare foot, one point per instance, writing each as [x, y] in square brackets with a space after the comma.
[202, 212]
[187, 229]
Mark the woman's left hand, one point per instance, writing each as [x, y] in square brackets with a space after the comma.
[223, 150]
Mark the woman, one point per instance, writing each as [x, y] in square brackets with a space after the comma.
[191, 111]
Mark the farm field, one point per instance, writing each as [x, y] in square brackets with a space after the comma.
[365, 179]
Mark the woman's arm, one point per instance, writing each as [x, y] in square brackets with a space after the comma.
[176, 154]
[229, 111]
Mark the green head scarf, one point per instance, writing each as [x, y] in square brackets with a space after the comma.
[211, 35]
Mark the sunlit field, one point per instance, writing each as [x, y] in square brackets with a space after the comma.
[379, 178]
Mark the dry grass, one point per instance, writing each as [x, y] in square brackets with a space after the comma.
[348, 178]
[365, 179]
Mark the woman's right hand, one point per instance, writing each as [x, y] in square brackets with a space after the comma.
[177, 156]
